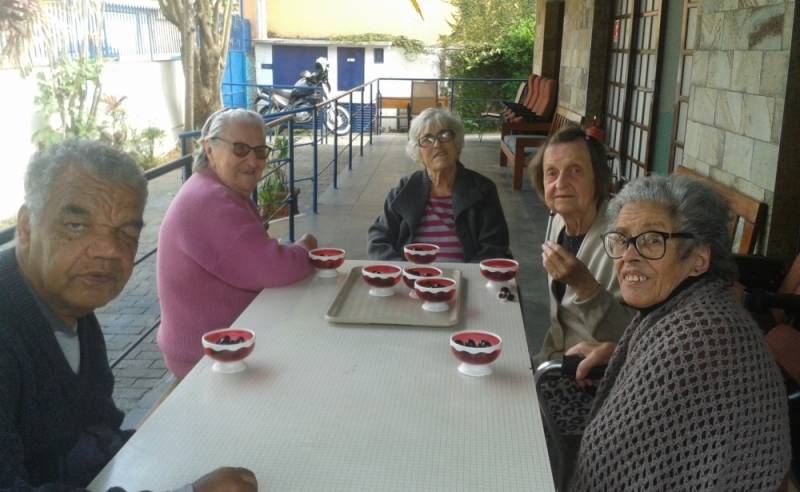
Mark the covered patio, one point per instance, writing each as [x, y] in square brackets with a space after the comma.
[344, 215]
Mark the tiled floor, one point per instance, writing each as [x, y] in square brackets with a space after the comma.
[343, 219]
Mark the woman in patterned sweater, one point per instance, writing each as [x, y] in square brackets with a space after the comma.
[691, 399]
[444, 204]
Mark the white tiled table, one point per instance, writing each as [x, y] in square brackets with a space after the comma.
[327, 407]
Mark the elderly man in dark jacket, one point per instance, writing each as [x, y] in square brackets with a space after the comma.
[77, 236]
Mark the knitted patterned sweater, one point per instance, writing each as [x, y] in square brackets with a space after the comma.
[213, 259]
[691, 400]
[54, 424]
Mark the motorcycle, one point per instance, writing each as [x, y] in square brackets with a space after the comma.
[311, 89]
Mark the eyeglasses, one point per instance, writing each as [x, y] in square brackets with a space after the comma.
[443, 136]
[241, 149]
[650, 244]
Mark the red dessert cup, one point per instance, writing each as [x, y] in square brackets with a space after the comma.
[326, 261]
[381, 279]
[499, 272]
[228, 347]
[422, 253]
[436, 292]
[476, 350]
[413, 273]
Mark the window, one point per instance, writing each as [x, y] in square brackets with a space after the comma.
[378, 55]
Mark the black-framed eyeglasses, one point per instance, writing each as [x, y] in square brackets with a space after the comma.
[443, 136]
[241, 149]
[649, 244]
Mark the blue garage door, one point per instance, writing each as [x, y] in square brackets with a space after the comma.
[351, 68]
[289, 61]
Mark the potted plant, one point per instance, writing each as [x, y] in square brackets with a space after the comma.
[273, 190]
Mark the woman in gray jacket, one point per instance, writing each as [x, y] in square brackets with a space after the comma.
[444, 204]
[570, 174]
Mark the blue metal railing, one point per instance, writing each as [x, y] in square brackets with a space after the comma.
[365, 120]
[366, 116]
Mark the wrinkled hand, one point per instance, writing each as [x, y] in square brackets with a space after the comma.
[566, 268]
[783, 342]
[227, 479]
[308, 241]
[594, 354]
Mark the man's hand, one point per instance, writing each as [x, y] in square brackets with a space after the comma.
[227, 479]
[595, 355]
[565, 267]
[307, 241]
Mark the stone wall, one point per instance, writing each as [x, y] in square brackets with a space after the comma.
[538, 42]
[573, 78]
[739, 78]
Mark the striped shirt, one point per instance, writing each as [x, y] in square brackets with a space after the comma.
[438, 227]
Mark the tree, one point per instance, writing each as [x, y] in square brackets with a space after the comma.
[483, 21]
[18, 22]
[205, 27]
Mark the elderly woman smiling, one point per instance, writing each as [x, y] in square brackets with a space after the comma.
[571, 175]
[213, 254]
[444, 204]
[691, 399]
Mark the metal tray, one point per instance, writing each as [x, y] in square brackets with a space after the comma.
[353, 304]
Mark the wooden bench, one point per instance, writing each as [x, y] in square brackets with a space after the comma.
[519, 148]
[749, 215]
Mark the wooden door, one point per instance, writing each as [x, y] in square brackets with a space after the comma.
[632, 85]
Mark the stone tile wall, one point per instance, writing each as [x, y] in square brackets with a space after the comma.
[575, 55]
[736, 104]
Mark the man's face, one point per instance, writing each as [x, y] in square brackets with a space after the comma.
[79, 253]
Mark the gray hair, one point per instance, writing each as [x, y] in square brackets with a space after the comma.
[95, 158]
[216, 124]
[694, 207]
[427, 119]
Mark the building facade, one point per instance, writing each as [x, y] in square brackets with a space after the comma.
[711, 85]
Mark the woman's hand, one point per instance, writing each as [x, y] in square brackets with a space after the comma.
[594, 355]
[307, 241]
[227, 479]
[565, 267]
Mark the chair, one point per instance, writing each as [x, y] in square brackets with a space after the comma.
[768, 286]
[527, 119]
[565, 412]
[424, 95]
[522, 93]
[519, 148]
[525, 104]
[749, 215]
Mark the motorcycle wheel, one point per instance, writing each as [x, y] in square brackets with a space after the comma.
[276, 130]
[338, 123]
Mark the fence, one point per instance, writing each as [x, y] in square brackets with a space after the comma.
[363, 117]
[118, 30]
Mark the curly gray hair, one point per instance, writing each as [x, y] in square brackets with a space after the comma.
[425, 121]
[694, 207]
[216, 124]
[95, 158]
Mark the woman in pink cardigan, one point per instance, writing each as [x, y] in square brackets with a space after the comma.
[214, 256]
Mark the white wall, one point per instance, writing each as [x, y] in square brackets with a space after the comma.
[395, 64]
[154, 93]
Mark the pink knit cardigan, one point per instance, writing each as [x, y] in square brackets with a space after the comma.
[214, 257]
